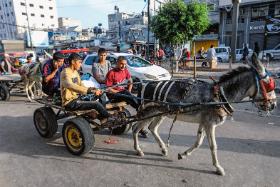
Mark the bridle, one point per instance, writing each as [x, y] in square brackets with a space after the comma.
[265, 84]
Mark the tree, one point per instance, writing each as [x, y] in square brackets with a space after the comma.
[178, 22]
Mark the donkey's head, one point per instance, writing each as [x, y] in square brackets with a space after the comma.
[264, 95]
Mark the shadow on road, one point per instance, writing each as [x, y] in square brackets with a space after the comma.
[18, 136]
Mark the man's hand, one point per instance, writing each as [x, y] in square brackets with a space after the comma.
[98, 92]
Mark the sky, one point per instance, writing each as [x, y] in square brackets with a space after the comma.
[92, 12]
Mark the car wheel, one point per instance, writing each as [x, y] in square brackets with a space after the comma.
[220, 60]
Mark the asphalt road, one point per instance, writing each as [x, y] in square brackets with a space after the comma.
[248, 149]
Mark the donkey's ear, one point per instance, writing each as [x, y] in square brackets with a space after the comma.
[257, 64]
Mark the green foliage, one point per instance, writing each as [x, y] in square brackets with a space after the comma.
[178, 22]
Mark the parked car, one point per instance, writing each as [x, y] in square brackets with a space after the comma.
[222, 54]
[140, 69]
[271, 54]
[239, 54]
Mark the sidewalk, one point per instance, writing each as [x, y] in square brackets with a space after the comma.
[222, 68]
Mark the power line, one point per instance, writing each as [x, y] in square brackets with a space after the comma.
[21, 26]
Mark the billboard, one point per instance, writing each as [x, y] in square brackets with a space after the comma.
[38, 38]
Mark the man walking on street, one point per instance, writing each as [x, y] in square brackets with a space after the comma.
[211, 57]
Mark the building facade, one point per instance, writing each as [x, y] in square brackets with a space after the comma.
[213, 10]
[16, 14]
[259, 21]
[120, 22]
[64, 22]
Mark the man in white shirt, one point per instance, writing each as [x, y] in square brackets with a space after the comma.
[211, 57]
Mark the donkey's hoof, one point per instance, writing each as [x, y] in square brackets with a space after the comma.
[164, 152]
[180, 156]
[140, 153]
[221, 172]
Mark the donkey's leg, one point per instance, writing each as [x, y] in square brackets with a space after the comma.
[153, 127]
[213, 147]
[200, 136]
[138, 126]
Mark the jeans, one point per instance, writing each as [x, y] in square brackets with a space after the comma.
[78, 104]
[125, 96]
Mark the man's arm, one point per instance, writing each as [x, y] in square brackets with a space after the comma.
[47, 77]
[130, 84]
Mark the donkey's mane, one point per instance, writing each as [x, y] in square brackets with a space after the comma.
[232, 74]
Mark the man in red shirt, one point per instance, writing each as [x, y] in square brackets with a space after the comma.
[117, 76]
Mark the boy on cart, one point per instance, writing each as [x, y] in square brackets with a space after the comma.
[71, 87]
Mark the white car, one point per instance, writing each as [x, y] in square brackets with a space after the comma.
[222, 54]
[271, 54]
[239, 54]
[139, 68]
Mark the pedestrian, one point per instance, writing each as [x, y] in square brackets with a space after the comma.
[186, 55]
[212, 57]
[257, 49]
[5, 65]
[245, 54]
[160, 55]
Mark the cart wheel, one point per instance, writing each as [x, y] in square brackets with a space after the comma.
[78, 136]
[45, 122]
[4, 92]
[124, 128]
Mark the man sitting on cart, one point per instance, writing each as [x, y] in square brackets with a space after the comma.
[118, 76]
[51, 74]
[71, 87]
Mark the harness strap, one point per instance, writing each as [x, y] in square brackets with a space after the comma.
[174, 120]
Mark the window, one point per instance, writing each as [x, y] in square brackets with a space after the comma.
[1, 17]
[31, 5]
[51, 17]
[277, 10]
[32, 14]
[50, 8]
[52, 25]
[8, 14]
[42, 15]
[260, 11]
[41, 7]
[23, 13]
[12, 13]
[0, 8]
[6, 5]
[22, 4]
[10, 3]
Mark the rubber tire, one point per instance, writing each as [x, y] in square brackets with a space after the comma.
[124, 128]
[50, 119]
[219, 60]
[4, 92]
[88, 139]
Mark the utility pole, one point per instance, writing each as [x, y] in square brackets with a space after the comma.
[28, 26]
[235, 15]
[148, 41]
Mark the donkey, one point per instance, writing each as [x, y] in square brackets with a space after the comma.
[32, 78]
[243, 82]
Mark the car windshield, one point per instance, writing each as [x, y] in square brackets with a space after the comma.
[134, 61]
